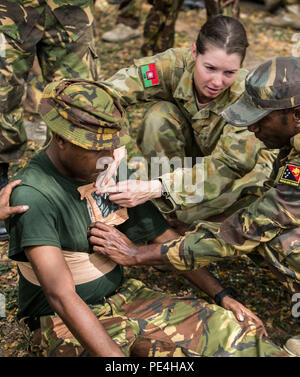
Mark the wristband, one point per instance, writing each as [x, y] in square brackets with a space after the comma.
[225, 292]
[164, 191]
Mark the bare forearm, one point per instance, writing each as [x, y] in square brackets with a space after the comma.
[149, 255]
[204, 281]
[56, 280]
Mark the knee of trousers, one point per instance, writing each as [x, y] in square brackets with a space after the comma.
[163, 117]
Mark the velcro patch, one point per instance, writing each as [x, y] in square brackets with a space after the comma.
[290, 175]
[150, 76]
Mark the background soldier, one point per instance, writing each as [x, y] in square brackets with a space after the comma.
[62, 38]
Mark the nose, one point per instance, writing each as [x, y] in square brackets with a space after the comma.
[218, 80]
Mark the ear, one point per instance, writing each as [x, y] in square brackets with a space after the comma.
[296, 118]
[60, 142]
[194, 51]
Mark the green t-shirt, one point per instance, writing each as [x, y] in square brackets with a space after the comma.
[57, 217]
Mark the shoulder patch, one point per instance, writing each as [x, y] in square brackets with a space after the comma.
[150, 76]
[290, 175]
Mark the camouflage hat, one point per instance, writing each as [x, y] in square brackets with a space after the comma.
[273, 85]
[82, 112]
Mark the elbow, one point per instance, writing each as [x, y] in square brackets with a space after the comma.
[58, 297]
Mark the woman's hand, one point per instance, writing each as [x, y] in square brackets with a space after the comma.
[132, 192]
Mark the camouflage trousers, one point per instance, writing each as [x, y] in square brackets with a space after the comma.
[146, 323]
[130, 12]
[60, 55]
[166, 132]
[227, 8]
[159, 27]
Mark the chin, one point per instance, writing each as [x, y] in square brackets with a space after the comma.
[273, 146]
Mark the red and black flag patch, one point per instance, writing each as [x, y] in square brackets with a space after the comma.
[290, 175]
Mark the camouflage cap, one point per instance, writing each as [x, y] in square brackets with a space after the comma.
[82, 112]
[273, 85]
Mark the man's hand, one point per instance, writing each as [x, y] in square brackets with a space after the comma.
[205, 281]
[108, 241]
[132, 193]
[240, 312]
[5, 209]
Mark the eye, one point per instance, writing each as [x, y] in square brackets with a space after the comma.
[210, 68]
[229, 73]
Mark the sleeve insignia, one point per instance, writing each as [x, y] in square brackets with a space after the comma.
[149, 74]
[290, 175]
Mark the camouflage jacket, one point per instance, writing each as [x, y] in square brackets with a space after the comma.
[19, 17]
[270, 226]
[233, 159]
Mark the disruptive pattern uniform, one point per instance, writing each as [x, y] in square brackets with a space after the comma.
[234, 163]
[60, 33]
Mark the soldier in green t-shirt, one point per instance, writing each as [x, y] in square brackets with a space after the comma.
[76, 301]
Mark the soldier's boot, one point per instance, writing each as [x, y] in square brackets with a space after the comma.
[3, 182]
[121, 33]
[292, 346]
[272, 5]
[288, 18]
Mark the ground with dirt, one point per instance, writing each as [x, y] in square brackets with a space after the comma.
[257, 287]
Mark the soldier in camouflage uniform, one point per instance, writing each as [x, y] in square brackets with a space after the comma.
[60, 33]
[177, 125]
[103, 316]
[270, 107]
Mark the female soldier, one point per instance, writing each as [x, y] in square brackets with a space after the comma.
[189, 89]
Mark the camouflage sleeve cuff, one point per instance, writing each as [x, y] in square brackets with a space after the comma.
[167, 203]
[175, 196]
[200, 246]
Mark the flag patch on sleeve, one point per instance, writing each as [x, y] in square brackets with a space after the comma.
[150, 76]
[290, 175]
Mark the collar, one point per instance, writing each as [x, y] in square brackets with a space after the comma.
[295, 142]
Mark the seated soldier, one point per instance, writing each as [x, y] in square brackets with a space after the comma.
[76, 301]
